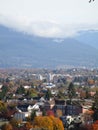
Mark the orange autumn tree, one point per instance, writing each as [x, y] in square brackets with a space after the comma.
[28, 126]
[57, 123]
[7, 127]
[95, 125]
[48, 122]
[43, 122]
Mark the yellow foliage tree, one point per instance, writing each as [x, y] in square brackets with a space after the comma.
[57, 123]
[2, 106]
[43, 122]
[48, 122]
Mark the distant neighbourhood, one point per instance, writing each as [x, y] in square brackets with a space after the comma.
[68, 96]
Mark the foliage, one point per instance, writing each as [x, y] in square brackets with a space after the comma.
[6, 112]
[3, 92]
[50, 113]
[32, 93]
[2, 106]
[28, 126]
[57, 123]
[61, 95]
[95, 125]
[43, 122]
[87, 94]
[71, 91]
[33, 115]
[7, 127]
[15, 122]
[48, 95]
[95, 107]
[50, 123]
[44, 112]
[58, 113]
[20, 90]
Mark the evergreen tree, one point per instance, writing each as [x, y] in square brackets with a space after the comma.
[87, 93]
[20, 90]
[44, 112]
[71, 91]
[3, 92]
[33, 115]
[48, 95]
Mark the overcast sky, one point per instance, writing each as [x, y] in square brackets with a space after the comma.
[50, 18]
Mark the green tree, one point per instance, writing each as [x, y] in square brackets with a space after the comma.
[61, 95]
[3, 92]
[87, 93]
[44, 112]
[71, 91]
[20, 90]
[33, 114]
[2, 106]
[48, 95]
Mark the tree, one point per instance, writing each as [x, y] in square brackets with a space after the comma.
[43, 122]
[48, 122]
[3, 92]
[50, 113]
[71, 91]
[48, 95]
[95, 107]
[44, 112]
[15, 122]
[20, 90]
[59, 113]
[28, 126]
[33, 115]
[32, 93]
[95, 125]
[7, 127]
[2, 106]
[6, 112]
[87, 94]
[57, 123]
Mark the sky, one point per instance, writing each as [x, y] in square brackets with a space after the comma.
[50, 18]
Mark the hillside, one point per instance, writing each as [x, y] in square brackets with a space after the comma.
[19, 50]
[89, 38]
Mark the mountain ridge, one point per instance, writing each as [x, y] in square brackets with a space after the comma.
[20, 50]
[89, 38]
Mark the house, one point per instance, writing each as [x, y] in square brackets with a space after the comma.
[73, 109]
[1, 87]
[50, 85]
[21, 115]
[27, 87]
[49, 105]
[87, 113]
[34, 107]
[60, 105]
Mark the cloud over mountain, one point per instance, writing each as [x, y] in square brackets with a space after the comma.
[46, 28]
[49, 18]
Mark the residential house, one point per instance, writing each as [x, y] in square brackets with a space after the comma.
[73, 109]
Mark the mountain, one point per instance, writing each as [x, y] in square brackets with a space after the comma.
[20, 50]
[89, 38]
